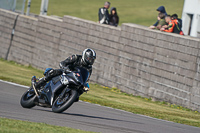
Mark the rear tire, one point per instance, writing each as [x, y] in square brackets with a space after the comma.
[61, 104]
[27, 99]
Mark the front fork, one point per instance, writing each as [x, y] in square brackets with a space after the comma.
[36, 92]
[63, 92]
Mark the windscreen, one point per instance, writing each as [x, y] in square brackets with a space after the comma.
[83, 73]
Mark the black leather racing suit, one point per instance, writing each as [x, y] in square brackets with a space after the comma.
[74, 61]
[71, 62]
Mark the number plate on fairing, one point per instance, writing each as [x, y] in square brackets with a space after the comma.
[64, 80]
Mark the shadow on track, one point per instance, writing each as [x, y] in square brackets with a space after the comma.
[89, 116]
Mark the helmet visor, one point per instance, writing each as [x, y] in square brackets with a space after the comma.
[90, 60]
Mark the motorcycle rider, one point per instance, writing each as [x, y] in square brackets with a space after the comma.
[85, 60]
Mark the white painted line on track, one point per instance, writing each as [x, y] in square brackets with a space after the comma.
[14, 84]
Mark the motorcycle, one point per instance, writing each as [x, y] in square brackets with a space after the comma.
[60, 92]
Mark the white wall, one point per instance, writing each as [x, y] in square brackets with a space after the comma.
[191, 8]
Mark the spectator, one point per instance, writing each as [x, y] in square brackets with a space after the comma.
[114, 19]
[172, 26]
[160, 9]
[161, 22]
[178, 23]
[103, 14]
[175, 17]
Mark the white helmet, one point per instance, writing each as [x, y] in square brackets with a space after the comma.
[88, 56]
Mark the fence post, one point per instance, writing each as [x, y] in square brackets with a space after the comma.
[14, 5]
[23, 6]
[44, 7]
[28, 8]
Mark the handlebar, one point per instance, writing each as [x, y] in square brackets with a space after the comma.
[67, 71]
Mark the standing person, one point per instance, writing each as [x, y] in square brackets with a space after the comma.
[103, 14]
[160, 9]
[114, 18]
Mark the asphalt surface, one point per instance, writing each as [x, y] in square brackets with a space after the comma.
[85, 116]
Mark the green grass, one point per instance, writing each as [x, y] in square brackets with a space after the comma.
[111, 97]
[18, 126]
[14, 72]
[141, 12]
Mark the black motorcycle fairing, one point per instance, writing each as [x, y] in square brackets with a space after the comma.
[84, 74]
[80, 75]
[56, 79]
[72, 79]
[51, 89]
[46, 94]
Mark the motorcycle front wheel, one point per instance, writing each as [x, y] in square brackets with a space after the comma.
[27, 99]
[63, 103]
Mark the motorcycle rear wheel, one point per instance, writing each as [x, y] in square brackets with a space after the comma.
[27, 99]
[61, 104]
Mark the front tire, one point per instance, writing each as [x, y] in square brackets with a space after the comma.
[27, 99]
[61, 104]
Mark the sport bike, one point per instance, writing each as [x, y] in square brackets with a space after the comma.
[60, 92]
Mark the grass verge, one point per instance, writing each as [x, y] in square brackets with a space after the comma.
[111, 97]
[141, 12]
[18, 126]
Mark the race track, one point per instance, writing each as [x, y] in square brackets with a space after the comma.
[85, 116]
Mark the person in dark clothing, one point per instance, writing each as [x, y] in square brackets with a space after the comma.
[179, 21]
[160, 9]
[103, 14]
[114, 18]
[178, 24]
[85, 60]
